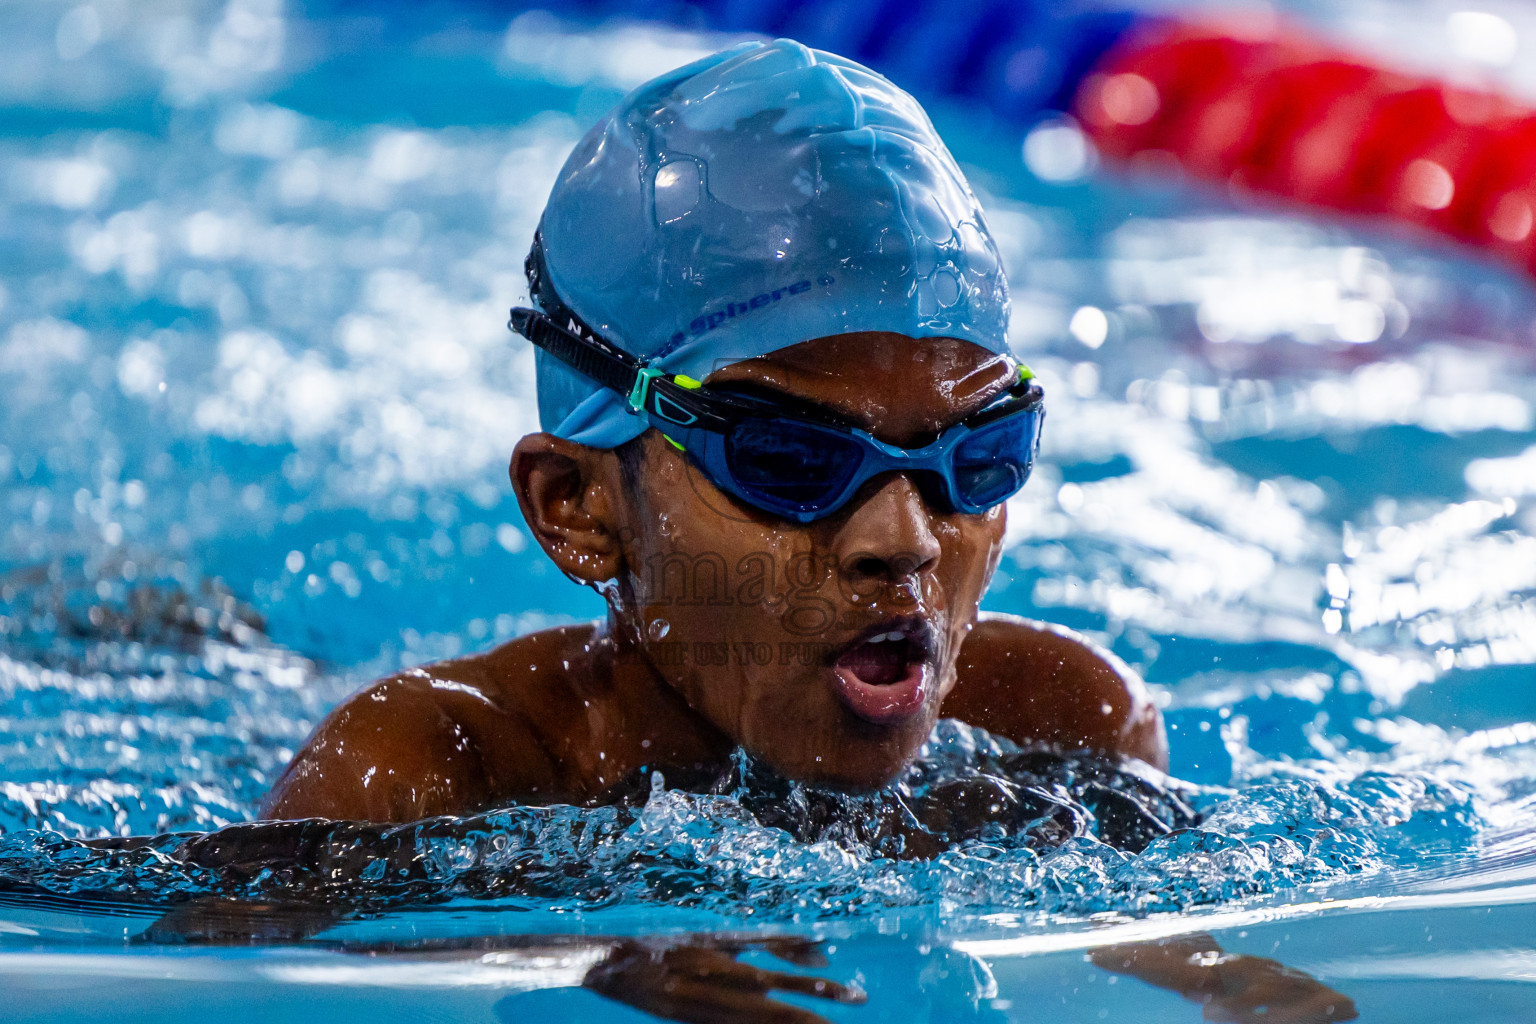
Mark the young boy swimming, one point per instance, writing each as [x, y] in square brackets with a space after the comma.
[780, 422]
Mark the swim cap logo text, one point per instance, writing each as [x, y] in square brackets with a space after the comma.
[706, 322]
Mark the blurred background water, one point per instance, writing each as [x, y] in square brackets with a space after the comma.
[258, 400]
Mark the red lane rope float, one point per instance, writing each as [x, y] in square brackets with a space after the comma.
[1291, 116]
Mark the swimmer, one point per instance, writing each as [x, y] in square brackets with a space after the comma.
[780, 422]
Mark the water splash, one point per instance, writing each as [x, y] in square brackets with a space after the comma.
[976, 824]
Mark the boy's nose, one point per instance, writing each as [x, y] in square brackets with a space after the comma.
[888, 538]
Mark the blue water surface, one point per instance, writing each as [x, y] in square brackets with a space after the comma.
[258, 401]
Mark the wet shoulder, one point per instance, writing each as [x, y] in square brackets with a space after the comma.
[537, 672]
[530, 696]
[1039, 683]
[452, 737]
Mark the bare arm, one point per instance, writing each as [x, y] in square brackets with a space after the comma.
[1037, 683]
[403, 749]
[1231, 987]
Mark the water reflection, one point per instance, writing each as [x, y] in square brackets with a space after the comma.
[704, 978]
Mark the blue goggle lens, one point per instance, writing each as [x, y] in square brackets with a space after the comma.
[994, 462]
[791, 466]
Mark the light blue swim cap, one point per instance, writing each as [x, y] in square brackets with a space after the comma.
[758, 198]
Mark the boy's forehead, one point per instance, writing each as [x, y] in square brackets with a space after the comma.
[893, 385]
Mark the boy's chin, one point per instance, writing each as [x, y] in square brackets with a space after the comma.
[858, 767]
[860, 778]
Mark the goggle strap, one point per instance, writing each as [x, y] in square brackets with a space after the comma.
[646, 390]
[607, 368]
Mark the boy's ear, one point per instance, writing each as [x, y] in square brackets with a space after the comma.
[570, 495]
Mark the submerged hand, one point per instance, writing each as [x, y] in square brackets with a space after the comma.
[1256, 990]
[701, 982]
[1234, 989]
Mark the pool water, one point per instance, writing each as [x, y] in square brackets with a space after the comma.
[258, 401]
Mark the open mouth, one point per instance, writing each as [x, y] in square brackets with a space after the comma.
[883, 675]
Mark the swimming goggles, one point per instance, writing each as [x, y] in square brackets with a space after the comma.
[796, 460]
